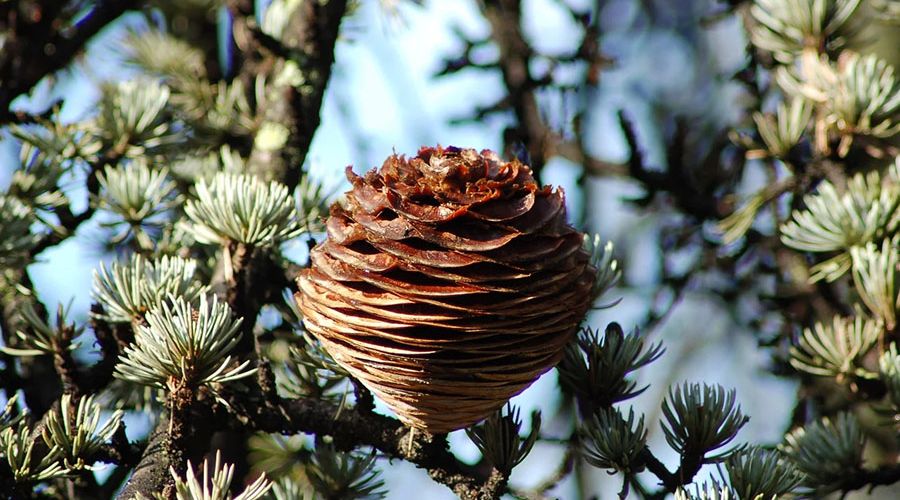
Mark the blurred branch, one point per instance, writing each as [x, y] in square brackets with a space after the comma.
[869, 479]
[530, 137]
[574, 151]
[465, 60]
[22, 117]
[112, 340]
[505, 17]
[42, 44]
[37, 377]
[70, 222]
[674, 180]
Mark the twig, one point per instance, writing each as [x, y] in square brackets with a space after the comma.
[249, 285]
[112, 339]
[870, 479]
[349, 429]
[566, 465]
[22, 117]
[240, 294]
[69, 222]
[669, 480]
[464, 60]
[65, 364]
[365, 402]
[120, 451]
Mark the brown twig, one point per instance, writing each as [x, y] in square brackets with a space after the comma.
[65, 364]
[669, 480]
[123, 454]
[349, 428]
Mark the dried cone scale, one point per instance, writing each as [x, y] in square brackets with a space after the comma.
[447, 284]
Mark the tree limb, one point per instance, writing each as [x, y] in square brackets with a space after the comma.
[310, 42]
[351, 428]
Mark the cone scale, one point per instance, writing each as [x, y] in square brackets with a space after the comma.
[448, 283]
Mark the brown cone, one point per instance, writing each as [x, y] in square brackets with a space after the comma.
[448, 283]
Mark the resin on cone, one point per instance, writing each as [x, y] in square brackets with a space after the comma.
[448, 283]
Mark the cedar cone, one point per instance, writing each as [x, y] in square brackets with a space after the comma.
[448, 283]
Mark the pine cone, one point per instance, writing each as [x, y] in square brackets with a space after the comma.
[448, 283]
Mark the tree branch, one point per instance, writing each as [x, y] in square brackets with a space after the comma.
[669, 481]
[673, 180]
[39, 47]
[565, 467]
[311, 46]
[353, 428]
[69, 222]
[505, 17]
[152, 471]
[111, 339]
